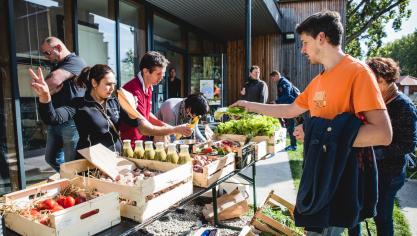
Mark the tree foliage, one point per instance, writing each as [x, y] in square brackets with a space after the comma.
[366, 20]
[404, 51]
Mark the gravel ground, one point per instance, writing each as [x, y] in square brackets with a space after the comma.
[187, 220]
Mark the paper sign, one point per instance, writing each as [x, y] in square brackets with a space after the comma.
[207, 88]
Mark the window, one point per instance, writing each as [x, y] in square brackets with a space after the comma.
[132, 33]
[97, 33]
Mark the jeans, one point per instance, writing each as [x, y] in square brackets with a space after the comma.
[290, 124]
[388, 186]
[331, 231]
[61, 143]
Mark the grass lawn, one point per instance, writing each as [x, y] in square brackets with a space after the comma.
[400, 223]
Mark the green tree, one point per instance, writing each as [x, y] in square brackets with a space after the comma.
[404, 51]
[365, 22]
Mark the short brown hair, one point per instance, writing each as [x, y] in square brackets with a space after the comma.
[274, 73]
[385, 68]
[151, 60]
[253, 68]
[328, 22]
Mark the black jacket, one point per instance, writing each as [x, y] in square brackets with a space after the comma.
[339, 183]
[93, 127]
[256, 90]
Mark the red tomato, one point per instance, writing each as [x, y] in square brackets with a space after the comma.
[60, 200]
[207, 150]
[57, 207]
[69, 202]
[49, 204]
[79, 200]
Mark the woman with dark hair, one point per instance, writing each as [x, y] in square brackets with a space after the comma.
[391, 159]
[97, 115]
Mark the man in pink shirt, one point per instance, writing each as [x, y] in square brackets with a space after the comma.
[152, 70]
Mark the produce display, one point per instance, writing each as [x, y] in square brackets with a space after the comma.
[128, 178]
[283, 216]
[40, 208]
[222, 147]
[244, 123]
[199, 161]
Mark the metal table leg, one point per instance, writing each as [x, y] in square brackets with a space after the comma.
[214, 197]
[254, 185]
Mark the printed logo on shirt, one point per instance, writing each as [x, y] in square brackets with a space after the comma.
[320, 99]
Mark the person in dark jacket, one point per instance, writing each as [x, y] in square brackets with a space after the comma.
[286, 94]
[391, 159]
[255, 90]
[97, 115]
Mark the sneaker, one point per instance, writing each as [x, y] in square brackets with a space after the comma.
[291, 148]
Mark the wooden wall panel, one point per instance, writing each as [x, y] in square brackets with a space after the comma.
[271, 53]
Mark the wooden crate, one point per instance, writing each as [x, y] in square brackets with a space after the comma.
[215, 171]
[76, 220]
[275, 143]
[266, 224]
[138, 207]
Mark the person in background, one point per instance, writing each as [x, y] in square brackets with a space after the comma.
[152, 70]
[176, 111]
[61, 138]
[286, 94]
[346, 86]
[391, 159]
[255, 90]
[174, 84]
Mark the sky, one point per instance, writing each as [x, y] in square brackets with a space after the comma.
[407, 27]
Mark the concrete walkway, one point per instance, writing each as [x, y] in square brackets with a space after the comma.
[407, 197]
[273, 174]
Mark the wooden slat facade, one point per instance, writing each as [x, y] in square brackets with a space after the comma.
[269, 52]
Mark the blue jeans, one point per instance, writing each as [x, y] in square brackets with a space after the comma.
[331, 231]
[61, 143]
[290, 125]
[388, 186]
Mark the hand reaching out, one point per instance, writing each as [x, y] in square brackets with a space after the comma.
[39, 86]
[184, 130]
[299, 133]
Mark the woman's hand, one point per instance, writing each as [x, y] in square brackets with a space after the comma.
[39, 86]
[299, 133]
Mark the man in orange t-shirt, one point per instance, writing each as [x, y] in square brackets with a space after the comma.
[345, 85]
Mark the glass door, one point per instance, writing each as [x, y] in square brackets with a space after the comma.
[176, 62]
[206, 76]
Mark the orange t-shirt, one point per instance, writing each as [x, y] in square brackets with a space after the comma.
[348, 87]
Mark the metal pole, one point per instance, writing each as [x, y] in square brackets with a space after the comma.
[214, 198]
[254, 185]
[16, 97]
[74, 23]
[117, 21]
[248, 38]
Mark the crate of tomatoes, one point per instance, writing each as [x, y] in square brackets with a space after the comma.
[63, 207]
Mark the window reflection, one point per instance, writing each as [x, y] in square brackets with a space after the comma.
[96, 33]
[130, 39]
